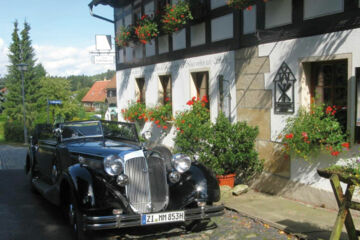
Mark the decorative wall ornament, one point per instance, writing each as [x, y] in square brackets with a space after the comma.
[284, 90]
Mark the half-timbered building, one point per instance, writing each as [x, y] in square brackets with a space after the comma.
[259, 65]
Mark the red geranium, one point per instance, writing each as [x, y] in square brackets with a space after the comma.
[205, 99]
[335, 153]
[289, 136]
[346, 145]
[190, 102]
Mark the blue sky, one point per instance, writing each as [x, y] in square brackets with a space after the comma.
[62, 33]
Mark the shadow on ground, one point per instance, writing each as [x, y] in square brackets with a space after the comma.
[309, 231]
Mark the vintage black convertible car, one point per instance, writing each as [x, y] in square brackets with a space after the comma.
[104, 178]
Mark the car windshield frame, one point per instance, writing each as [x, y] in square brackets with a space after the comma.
[71, 128]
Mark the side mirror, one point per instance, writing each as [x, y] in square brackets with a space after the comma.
[57, 132]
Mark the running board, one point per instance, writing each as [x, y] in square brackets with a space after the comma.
[50, 192]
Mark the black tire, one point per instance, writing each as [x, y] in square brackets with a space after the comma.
[75, 219]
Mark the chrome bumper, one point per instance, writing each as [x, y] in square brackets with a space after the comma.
[122, 221]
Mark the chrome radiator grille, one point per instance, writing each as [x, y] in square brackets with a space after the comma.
[138, 190]
[147, 190]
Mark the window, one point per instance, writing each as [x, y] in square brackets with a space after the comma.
[322, 8]
[111, 93]
[200, 84]
[165, 88]
[140, 90]
[217, 3]
[218, 31]
[249, 20]
[278, 13]
[329, 86]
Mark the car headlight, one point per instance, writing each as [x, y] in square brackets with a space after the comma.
[113, 165]
[181, 162]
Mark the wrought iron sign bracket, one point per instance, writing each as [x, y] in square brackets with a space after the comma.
[284, 93]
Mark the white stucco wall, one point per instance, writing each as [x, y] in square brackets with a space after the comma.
[180, 71]
[293, 52]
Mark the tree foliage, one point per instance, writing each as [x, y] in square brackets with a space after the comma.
[21, 51]
[52, 88]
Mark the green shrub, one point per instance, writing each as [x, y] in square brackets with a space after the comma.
[313, 131]
[223, 147]
[193, 127]
[231, 148]
[14, 131]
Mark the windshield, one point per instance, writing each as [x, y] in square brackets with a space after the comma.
[120, 130]
[74, 130]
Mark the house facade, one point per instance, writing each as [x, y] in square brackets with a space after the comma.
[259, 65]
[95, 98]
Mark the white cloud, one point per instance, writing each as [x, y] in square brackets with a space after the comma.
[4, 61]
[65, 61]
[59, 61]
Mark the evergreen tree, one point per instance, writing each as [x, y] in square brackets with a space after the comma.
[13, 104]
[32, 76]
[21, 51]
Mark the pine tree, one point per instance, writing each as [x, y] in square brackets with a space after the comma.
[32, 75]
[21, 51]
[13, 104]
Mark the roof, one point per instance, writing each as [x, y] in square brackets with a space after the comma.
[3, 90]
[97, 92]
[112, 83]
[113, 3]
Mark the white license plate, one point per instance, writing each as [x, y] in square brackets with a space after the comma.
[154, 218]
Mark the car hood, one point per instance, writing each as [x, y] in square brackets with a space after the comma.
[101, 148]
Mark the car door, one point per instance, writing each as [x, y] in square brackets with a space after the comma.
[46, 153]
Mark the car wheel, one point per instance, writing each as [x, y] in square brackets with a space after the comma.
[75, 220]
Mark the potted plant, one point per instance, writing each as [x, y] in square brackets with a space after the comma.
[228, 149]
[175, 16]
[313, 131]
[231, 150]
[125, 36]
[146, 29]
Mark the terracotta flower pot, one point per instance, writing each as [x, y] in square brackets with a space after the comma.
[227, 180]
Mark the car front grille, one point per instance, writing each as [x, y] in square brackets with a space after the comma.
[147, 190]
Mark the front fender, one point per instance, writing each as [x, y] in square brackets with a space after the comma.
[80, 181]
[197, 184]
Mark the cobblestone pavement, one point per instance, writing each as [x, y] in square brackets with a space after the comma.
[12, 157]
[231, 226]
[25, 215]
